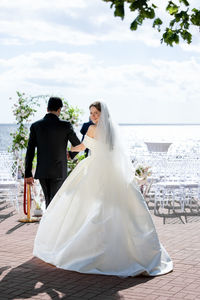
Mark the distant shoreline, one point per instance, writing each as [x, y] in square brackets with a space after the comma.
[129, 124]
[159, 124]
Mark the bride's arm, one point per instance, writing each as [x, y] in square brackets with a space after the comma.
[79, 148]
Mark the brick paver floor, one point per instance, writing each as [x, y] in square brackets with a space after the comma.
[26, 277]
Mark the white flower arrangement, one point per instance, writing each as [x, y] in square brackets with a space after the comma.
[141, 174]
[70, 113]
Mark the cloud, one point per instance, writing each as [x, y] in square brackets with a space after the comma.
[46, 21]
[191, 47]
[160, 80]
[57, 66]
[47, 5]
[27, 31]
[50, 21]
[95, 56]
[41, 31]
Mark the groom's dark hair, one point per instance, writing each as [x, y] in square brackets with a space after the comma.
[54, 104]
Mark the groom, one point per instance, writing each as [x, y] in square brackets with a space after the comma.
[50, 136]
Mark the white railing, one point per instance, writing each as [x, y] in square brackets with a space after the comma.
[8, 178]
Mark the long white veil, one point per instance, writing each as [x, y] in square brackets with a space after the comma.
[112, 149]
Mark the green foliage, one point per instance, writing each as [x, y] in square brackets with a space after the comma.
[179, 26]
[70, 113]
[170, 36]
[119, 9]
[23, 110]
[195, 17]
[185, 2]
[73, 163]
[157, 22]
[172, 8]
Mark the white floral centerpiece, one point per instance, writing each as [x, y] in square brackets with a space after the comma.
[141, 175]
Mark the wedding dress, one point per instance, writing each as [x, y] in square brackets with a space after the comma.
[99, 223]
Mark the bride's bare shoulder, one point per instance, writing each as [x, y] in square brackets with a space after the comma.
[91, 131]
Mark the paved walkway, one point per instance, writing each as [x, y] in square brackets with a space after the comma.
[26, 277]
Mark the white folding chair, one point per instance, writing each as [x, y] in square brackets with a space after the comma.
[8, 180]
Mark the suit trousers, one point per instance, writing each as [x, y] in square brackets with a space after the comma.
[50, 186]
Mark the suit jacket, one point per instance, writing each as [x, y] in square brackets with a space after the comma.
[85, 127]
[50, 135]
[83, 131]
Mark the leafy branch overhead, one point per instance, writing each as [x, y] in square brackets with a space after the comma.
[182, 17]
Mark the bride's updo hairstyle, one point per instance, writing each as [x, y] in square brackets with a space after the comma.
[97, 105]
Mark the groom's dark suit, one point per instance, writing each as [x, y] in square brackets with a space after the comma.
[50, 135]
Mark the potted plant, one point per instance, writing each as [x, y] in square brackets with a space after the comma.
[37, 199]
[38, 210]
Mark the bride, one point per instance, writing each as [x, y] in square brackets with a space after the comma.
[98, 222]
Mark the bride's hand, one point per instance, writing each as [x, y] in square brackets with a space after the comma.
[68, 156]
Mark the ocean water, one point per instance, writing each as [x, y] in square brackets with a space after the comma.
[135, 134]
[5, 138]
[162, 133]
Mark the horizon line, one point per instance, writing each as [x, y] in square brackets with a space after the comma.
[132, 124]
[161, 124]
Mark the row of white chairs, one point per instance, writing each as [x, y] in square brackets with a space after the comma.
[163, 167]
[174, 183]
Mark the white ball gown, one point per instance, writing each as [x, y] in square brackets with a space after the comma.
[98, 223]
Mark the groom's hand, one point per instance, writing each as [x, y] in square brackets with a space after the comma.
[68, 156]
[29, 180]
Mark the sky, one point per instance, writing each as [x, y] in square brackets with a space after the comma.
[78, 50]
